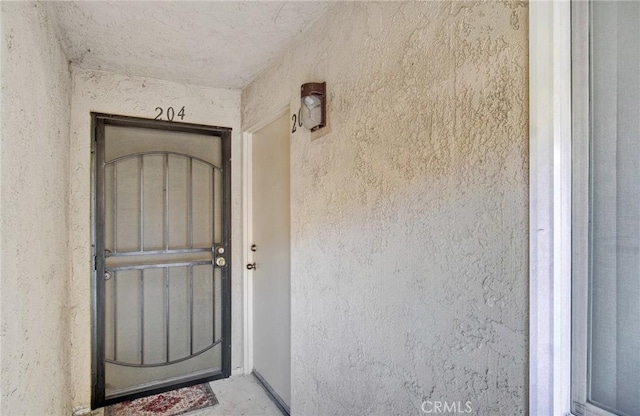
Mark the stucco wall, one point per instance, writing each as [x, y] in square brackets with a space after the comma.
[34, 172]
[106, 92]
[409, 218]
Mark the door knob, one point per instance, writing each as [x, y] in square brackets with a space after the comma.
[251, 266]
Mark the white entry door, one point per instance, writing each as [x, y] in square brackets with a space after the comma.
[270, 253]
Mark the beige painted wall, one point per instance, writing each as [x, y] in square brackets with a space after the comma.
[34, 188]
[106, 92]
[409, 218]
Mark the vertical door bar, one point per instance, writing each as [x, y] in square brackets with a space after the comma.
[166, 202]
[115, 207]
[190, 192]
[141, 202]
[166, 246]
[213, 208]
[213, 299]
[213, 247]
[141, 316]
[190, 310]
[166, 310]
[115, 315]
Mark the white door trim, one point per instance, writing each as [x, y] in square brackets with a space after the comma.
[247, 225]
[550, 207]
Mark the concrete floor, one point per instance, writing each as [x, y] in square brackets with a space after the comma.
[240, 396]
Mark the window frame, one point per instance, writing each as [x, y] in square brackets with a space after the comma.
[550, 207]
[559, 208]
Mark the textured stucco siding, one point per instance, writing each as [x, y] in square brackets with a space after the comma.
[410, 216]
[34, 172]
[106, 92]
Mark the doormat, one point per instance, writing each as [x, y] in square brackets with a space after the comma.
[170, 403]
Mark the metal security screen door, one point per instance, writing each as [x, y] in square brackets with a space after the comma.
[161, 289]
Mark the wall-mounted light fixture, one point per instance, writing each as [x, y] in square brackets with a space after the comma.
[313, 105]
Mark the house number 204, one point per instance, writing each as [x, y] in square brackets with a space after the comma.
[170, 113]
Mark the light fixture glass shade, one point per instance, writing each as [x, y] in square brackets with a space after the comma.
[311, 114]
[313, 105]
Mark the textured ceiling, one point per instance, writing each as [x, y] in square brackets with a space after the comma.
[217, 44]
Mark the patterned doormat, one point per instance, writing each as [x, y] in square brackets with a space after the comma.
[170, 403]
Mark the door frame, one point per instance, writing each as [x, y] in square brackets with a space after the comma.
[247, 225]
[98, 121]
